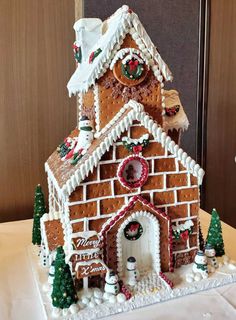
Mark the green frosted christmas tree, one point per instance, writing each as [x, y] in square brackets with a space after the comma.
[39, 210]
[63, 293]
[214, 236]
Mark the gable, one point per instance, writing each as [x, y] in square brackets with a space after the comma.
[119, 24]
[68, 177]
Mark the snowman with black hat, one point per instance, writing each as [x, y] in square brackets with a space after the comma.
[132, 273]
[111, 283]
[84, 139]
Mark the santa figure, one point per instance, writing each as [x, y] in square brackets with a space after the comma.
[200, 264]
[211, 256]
[132, 274]
[111, 283]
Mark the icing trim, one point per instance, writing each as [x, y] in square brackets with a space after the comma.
[154, 221]
[118, 127]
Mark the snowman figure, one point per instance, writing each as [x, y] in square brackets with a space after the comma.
[111, 283]
[132, 273]
[211, 256]
[200, 264]
[82, 142]
[51, 273]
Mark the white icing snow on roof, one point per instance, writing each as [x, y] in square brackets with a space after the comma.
[110, 35]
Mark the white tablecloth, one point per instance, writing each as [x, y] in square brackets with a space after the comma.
[19, 298]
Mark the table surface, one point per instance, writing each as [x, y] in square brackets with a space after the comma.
[19, 297]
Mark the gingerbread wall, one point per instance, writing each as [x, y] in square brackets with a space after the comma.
[169, 186]
[112, 95]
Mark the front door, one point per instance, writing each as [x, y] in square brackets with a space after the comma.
[138, 237]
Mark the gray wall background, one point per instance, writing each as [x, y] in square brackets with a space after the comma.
[173, 26]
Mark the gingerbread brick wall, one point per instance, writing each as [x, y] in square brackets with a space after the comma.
[169, 186]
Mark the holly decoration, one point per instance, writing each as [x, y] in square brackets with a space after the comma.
[214, 236]
[172, 111]
[77, 53]
[132, 68]
[201, 239]
[183, 231]
[133, 230]
[63, 293]
[39, 210]
[66, 147]
[135, 146]
[94, 54]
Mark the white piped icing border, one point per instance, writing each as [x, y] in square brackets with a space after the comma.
[136, 113]
[155, 222]
[121, 53]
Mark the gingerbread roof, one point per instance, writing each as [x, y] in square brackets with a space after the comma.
[67, 177]
[107, 38]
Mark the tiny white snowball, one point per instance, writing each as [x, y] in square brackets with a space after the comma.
[85, 300]
[92, 304]
[56, 313]
[121, 297]
[98, 301]
[74, 308]
[98, 293]
[64, 312]
[189, 279]
[112, 299]
[197, 277]
[231, 266]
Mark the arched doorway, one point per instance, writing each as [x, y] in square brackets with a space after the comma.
[139, 236]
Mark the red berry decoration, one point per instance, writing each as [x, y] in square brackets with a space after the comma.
[172, 111]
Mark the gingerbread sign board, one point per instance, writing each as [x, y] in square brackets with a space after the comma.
[90, 268]
[86, 240]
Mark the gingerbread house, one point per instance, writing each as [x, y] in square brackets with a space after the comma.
[120, 185]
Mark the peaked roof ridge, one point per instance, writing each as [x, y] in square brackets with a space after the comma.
[121, 23]
[122, 121]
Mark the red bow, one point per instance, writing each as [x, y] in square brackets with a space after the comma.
[133, 64]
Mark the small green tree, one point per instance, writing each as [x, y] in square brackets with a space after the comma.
[39, 210]
[63, 293]
[214, 236]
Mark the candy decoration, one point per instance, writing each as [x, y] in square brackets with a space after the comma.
[39, 210]
[132, 67]
[214, 236]
[77, 53]
[63, 293]
[172, 111]
[136, 146]
[133, 230]
[182, 231]
[94, 54]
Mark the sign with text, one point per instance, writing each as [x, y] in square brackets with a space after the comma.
[90, 268]
[86, 240]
